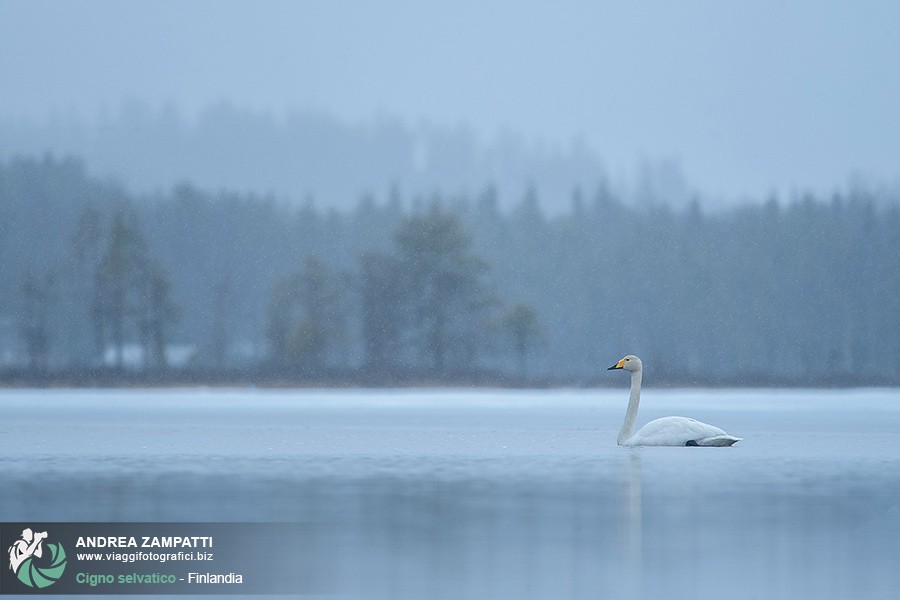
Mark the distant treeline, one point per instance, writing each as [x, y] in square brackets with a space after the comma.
[190, 285]
[302, 153]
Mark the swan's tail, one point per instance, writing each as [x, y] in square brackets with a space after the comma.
[719, 440]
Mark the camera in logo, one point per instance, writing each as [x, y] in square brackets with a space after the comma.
[32, 565]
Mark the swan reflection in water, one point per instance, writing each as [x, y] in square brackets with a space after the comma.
[630, 526]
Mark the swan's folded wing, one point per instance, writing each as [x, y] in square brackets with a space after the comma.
[676, 431]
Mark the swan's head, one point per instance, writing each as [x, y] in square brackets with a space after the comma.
[629, 363]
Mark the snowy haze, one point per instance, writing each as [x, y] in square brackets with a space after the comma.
[731, 100]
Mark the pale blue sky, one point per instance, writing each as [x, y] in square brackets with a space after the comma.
[748, 96]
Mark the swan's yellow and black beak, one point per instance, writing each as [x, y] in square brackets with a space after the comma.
[618, 365]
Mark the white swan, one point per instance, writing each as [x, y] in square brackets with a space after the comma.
[667, 431]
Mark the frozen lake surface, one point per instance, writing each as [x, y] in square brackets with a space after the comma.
[490, 494]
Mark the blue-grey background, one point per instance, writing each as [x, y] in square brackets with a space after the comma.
[732, 101]
[711, 185]
[224, 189]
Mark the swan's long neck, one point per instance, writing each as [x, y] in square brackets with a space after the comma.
[631, 413]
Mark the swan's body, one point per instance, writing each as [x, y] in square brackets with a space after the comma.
[678, 431]
[667, 431]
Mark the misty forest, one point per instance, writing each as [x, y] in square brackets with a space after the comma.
[98, 281]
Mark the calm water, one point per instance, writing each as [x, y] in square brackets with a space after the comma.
[490, 494]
